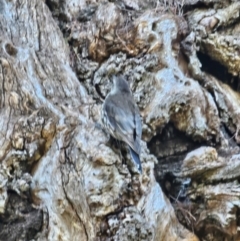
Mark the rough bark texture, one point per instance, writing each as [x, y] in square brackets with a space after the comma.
[60, 176]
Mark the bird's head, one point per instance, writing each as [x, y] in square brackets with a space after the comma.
[120, 84]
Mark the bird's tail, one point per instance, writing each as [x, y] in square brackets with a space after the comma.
[136, 159]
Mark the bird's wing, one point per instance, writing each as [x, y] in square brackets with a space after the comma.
[124, 121]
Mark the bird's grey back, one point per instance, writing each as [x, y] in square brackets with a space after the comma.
[124, 114]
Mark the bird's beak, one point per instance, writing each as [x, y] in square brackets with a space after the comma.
[113, 79]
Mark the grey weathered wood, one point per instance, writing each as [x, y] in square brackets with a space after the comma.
[61, 178]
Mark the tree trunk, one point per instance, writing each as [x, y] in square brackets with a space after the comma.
[62, 178]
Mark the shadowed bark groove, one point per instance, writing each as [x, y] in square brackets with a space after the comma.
[60, 176]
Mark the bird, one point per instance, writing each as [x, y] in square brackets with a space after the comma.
[121, 117]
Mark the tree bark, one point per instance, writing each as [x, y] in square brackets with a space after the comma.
[62, 178]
